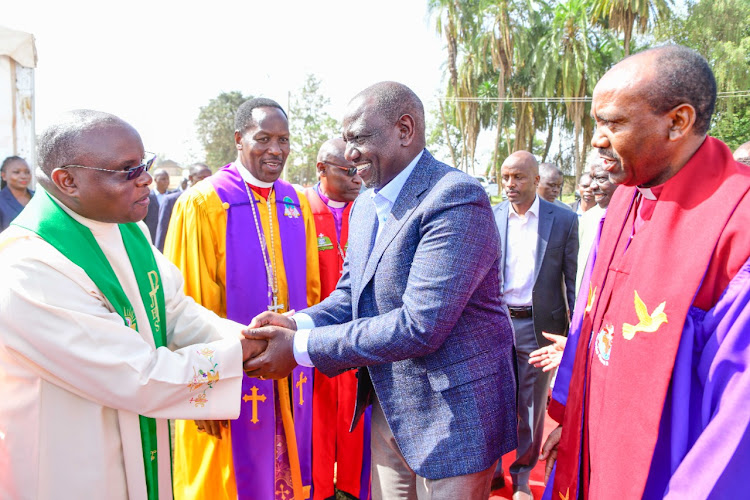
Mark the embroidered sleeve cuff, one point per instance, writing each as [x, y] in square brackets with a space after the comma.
[304, 322]
[301, 356]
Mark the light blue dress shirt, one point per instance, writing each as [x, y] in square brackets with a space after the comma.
[383, 198]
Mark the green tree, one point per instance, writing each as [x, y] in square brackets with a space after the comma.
[624, 15]
[720, 31]
[310, 126]
[456, 21]
[215, 127]
[574, 54]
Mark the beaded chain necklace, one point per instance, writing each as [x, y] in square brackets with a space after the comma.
[269, 256]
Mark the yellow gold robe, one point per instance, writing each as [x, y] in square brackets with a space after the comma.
[196, 243]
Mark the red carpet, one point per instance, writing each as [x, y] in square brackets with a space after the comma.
[537, 475]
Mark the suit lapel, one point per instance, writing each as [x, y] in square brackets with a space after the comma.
[546, 218]
[406, 203]
[362, 230]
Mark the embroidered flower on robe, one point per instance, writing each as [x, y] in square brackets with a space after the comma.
[204, 379]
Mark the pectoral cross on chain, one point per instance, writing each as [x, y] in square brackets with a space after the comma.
[276, 307]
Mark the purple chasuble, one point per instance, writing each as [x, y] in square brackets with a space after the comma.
[254, 432]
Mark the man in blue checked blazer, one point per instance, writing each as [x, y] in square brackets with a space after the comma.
[417, 310]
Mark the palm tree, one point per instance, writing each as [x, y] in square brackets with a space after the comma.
[624, 15]
[566, 49]
[500, 42]
[454, 21]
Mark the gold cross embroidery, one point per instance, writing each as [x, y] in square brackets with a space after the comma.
[254, 398]
[300, 383]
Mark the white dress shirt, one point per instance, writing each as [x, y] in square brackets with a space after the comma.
[520, 261]
[383, 198]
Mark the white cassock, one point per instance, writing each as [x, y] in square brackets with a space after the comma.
[73, 378]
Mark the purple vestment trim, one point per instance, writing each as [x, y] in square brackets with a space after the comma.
[337, 212]
[253, 446]
[364, 482]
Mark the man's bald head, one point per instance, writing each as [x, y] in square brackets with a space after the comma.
[520, 178]
[742, 153]
[393, 100]
[334, 171]
[523, 159]
[93, 162]
[198, 172]
[652, 111]
[383, 127]
[62, 143]
[333, 150]
[671, 75]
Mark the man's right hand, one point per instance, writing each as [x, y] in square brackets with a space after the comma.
[549, 451]
[268, 318]
[251, 347]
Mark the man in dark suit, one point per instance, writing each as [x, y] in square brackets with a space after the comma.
[157, 198]
[538, 248]
[417, 309]
[152, 215]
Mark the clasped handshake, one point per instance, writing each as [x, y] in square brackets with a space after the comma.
[267, 350]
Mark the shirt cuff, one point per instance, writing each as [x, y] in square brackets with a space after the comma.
[299, 346]
[304, 321]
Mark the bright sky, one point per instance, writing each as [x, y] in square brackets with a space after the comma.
[154, 63]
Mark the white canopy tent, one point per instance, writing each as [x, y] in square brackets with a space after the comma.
[17, 62]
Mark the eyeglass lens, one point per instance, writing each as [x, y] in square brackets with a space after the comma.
[137, 171]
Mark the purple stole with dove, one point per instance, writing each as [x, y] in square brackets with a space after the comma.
[256, 431]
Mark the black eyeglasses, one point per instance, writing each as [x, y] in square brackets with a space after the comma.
[133, 172]
[350, 171]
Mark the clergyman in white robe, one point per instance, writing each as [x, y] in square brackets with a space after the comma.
[73, 378]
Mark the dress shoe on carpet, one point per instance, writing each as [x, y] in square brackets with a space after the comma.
[498, 483]
[522, 493]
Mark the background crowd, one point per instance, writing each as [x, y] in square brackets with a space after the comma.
[403, 333]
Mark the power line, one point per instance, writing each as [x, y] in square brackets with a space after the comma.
[550, 100]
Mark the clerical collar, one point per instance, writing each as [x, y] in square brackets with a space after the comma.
[647, 193]
[650, 193]
[250, 178]
[327, 200]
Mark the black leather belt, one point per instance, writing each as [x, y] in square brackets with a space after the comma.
[520, 312]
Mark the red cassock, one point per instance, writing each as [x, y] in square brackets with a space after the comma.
[333, 398]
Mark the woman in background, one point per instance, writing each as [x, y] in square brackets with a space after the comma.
[15, 192]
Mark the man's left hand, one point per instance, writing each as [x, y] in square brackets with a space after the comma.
[548, 357]
[277, 361]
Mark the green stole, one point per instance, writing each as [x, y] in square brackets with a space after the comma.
[74, 240]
